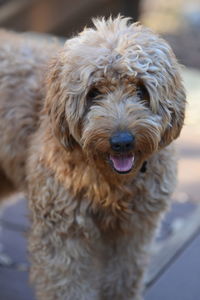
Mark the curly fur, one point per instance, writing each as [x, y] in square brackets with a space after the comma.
[92, 227]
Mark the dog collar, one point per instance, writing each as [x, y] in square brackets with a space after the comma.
[144, 167]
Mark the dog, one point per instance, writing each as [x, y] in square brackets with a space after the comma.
[94, 152]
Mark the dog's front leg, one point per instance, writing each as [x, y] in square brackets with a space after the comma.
[62, 266]
[124, 272]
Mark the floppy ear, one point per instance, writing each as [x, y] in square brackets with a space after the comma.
[176, 111]
[55, 103]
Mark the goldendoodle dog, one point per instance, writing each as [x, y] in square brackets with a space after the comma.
[95, 156]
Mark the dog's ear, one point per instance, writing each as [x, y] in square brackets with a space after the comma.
[55, 103]
[176, 113]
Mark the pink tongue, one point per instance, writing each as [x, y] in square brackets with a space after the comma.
[122, 163]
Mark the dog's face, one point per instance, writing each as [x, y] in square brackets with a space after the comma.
[115, 92]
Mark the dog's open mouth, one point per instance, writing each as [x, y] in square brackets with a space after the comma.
[122, 163]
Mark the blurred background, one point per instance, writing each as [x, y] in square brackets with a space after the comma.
[175, 267]
[178, 20]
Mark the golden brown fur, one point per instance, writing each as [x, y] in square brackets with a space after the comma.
[22, 66]
[92, 227]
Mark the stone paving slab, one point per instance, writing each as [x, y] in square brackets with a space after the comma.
[181, 280]
[14, 245]
[15, 214]
[14, 285]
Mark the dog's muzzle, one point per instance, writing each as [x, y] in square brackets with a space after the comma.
[122, 144]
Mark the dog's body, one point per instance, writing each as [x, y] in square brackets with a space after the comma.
[22, 63]
[92, 226]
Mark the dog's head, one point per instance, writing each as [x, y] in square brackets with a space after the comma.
[116, 92]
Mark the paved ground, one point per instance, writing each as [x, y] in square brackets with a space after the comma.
[180, 278]
[14, 283]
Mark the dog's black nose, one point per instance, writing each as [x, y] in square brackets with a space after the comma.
[122, 142]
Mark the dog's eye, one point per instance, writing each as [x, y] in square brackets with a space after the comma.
[142, 92]
[93, 93]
